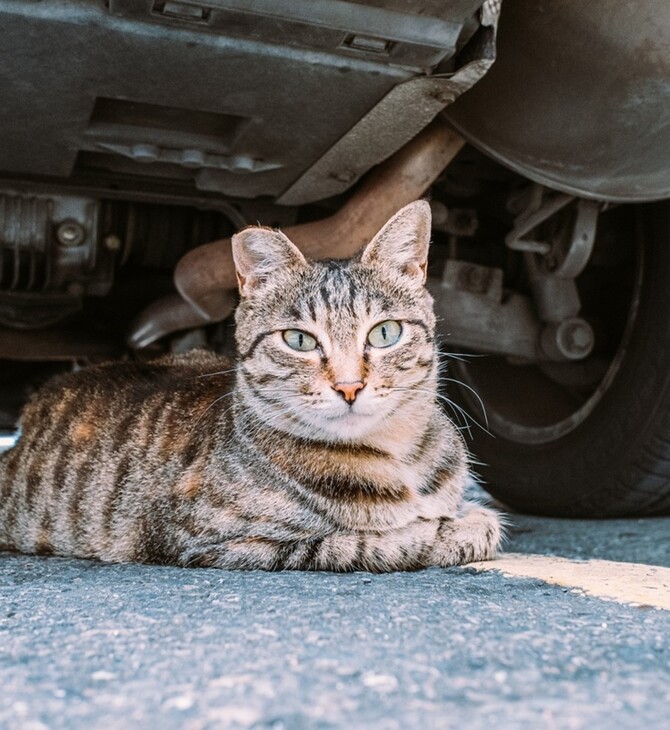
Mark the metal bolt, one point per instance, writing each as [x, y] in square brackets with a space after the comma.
[346, 176]
[145, 153]
[70, 233]
[578, 337]
[112, 242]
[571, 339]
[192, 158]
[444, 96]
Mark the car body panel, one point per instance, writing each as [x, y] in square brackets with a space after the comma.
[578, 98]
[240, 101]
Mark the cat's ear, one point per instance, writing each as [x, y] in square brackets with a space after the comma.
[259, 253]
[402, 243]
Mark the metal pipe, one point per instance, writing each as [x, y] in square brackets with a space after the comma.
[205, 277]
[204, 274]
[166, 315]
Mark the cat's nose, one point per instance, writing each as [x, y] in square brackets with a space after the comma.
[349, 391]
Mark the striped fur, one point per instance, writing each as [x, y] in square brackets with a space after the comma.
[261, 463]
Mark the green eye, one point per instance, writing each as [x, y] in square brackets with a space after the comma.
[299, 340]
[385, 333]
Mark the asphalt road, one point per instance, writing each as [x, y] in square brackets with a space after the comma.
[85, 645]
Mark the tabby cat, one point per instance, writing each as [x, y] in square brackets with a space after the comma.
[323, 447]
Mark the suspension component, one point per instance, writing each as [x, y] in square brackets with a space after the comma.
[555, 234]
[476, 313]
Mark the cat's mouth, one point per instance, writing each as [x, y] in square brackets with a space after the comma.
[359, 409]
[336, 419]
[356, 421]
[350, 415]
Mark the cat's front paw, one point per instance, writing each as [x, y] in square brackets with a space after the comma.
[487, 528]
[474, 536]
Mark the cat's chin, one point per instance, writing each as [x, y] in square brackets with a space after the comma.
[348, 427]
[341, 428]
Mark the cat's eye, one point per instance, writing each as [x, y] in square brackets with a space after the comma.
[385, 333]
[299, 340]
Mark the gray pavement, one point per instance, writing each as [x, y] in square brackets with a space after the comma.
[85, 645]
[643, 540]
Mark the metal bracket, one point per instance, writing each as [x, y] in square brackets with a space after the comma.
[50, 256]
[569, 247]
[570, 254]
[398, 117]
[555, 259]
[547, 326]
[537, 210]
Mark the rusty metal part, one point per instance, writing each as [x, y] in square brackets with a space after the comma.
[205, 275]
[169, 314]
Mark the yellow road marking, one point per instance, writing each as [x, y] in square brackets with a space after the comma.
[633, 583]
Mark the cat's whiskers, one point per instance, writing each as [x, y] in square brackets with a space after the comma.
[443, 379]
[467, 416]
[273, 422]
[461, 356]
[220, 372]
[298, 425]
[411, 385]
[210, 406]
[459, 413]
[455, 406]
[282, 398]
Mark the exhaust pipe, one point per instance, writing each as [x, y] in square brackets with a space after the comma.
[205, 276]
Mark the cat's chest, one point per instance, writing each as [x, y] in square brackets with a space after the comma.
[375, 486]
[375, 493]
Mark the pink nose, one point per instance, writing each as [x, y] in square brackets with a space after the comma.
[349, 390]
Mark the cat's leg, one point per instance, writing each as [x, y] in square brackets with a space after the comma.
[440, 542]
[404, 549]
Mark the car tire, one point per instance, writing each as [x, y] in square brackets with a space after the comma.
[613, 459]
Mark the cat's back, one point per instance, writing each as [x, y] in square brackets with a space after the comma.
[122, 403]
[86, 434]
[120, 385]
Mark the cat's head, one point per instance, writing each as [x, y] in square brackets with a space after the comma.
[334, 349]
